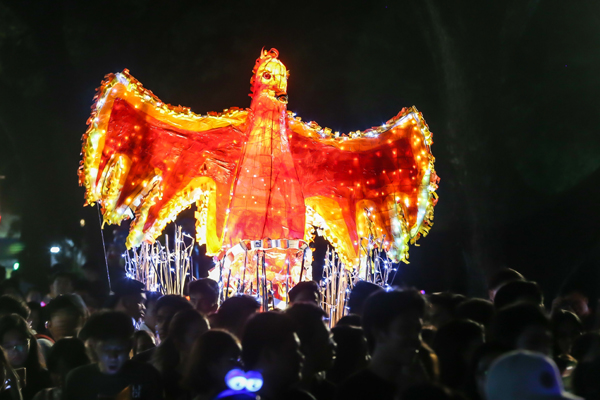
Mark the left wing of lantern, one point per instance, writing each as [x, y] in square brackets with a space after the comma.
[379, 183]
[143, 157]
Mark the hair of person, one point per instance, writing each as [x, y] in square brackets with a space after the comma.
[208, 349]
[7, 371]
[10, 322]
[152, 297]
[70, 351]
[585, 382]
[446, 299]
[484, 350]
[518, 291]
[306, 317]
[127, 287]
[350, 320]
[382, 308]
[560, 317]
[12, 305]
[92, 266]
[11, 283]
[234, 309]
[478, 310]
[34, 306]
[62, 274]
[512, 320]
[142, 333]
[70, 303]
[166, 356]
[359, 294]
[503, 276]
[107, 325]
[174, 301]
[455, 335]
[431, 391]
[265, 331]
[450, 343]
[350, 352]
[205, 286]
[585, 344]
[305, 286]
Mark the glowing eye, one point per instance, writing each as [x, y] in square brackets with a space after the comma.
[267, 75]
[236, 379]
[254, 381]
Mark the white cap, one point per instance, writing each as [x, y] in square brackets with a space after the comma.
[524, 375]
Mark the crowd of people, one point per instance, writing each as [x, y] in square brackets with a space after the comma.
[78, 342]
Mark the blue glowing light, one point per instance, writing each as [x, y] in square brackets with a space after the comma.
[237, 380]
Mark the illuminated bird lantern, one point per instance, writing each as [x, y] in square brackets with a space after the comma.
[262, 179]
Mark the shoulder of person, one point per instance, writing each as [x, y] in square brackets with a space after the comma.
[144, 356]
[298, 394]
[358, 385]
[83, 371]
[137, 366]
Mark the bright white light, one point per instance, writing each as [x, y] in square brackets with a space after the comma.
[54, 249]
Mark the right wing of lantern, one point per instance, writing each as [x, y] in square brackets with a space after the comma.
[379, 183]
[144, 157]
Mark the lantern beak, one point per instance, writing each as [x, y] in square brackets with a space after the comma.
[282, 97]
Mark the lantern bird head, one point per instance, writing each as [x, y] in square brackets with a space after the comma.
[270, 77]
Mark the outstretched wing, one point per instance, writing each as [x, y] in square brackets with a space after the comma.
[145, 158]
[379, 183]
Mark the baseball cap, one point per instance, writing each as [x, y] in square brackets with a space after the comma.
[524, 375]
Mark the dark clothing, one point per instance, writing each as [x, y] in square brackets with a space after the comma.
[35, 381]
[293, 394]
[323, 389]
[366, 385]
[145, 356]
[142, 381]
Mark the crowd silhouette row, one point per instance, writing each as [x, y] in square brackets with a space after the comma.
[76, 341]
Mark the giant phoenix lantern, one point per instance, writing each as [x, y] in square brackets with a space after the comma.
[262, 179]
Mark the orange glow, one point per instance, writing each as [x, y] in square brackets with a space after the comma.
[254, 174]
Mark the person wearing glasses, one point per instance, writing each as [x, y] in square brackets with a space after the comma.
[23, 353]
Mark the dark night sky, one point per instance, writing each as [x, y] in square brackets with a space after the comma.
[509, 89]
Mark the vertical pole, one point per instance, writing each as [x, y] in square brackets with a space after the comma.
[287, 281]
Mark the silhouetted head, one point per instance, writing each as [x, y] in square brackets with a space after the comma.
[166, 307]
[204, 295]
[519, 291]
[523, 326]
[316, 342]
[64, 356]
[66, 315]
[270, 345]
[307, 291]
[214, 354]
[13, 305]
[392, 322]
[359, 294]
[478, 310]
[234, 313]
[500, 278]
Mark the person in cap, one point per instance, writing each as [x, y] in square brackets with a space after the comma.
[525, 375]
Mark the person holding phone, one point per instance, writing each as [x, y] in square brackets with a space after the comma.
[22, 349]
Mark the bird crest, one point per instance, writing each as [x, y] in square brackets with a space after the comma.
[265, 57]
